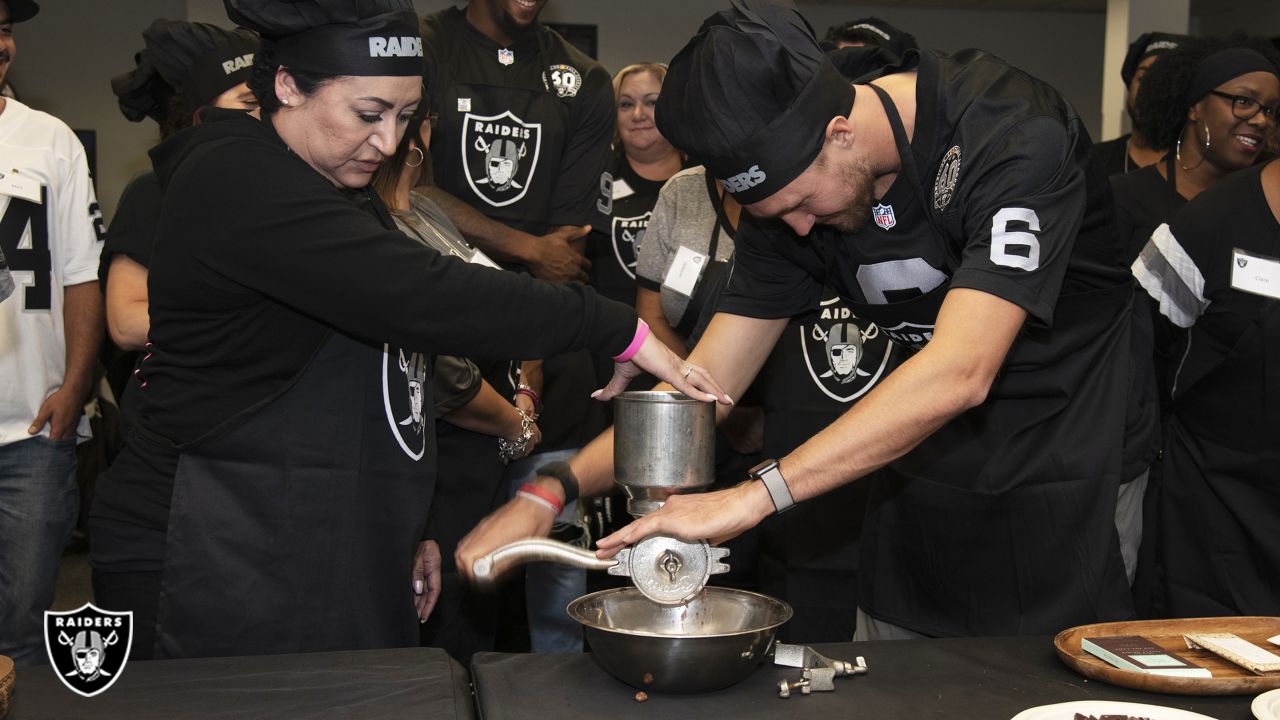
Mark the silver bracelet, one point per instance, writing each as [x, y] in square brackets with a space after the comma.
[509, 450]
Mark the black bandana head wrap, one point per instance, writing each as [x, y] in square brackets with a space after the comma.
[872, 31]
[199, 60]
[1147, 44]
[750, 97]
[337, 37]
[1223, 66]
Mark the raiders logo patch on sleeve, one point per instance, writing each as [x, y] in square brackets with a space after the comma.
[944, 186]
[566, 80]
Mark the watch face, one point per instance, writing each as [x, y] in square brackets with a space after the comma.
[763, 467]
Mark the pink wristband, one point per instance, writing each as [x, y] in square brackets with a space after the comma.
[642, 332]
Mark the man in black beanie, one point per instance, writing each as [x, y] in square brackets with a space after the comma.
[1131, 150]
[951, 201]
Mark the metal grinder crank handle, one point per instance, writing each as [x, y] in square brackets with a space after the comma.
[488, 569]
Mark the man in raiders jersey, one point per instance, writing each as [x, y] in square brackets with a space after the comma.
[50, 333]
[519, 157]
[990, 257]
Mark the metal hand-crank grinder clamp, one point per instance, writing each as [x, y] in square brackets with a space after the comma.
[818, 671]
[670, 571]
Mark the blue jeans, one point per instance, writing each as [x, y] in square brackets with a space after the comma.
[550, 587]
[39, 501]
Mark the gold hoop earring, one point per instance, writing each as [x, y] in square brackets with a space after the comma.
[421, 158]
[1203, 153]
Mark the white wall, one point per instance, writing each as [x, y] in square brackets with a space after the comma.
[65, 60]
[68, 53]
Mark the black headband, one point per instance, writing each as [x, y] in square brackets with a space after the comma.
[776, 154]
[387, 44]
[216, 72]
[1147, 45]
[1223, 66]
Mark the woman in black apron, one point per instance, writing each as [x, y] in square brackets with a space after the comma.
[274, 491]
[1190, 106]
[1220, 504]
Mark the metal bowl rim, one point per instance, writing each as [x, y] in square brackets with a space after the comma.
[656, 396]
[787, 612]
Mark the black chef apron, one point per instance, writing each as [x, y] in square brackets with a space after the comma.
[1002, 521]
[293, 526]
[1220, 495]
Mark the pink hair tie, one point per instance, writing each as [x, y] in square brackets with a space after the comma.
[642, 332]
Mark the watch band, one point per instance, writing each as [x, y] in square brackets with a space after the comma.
[561, 471]
[769, 474]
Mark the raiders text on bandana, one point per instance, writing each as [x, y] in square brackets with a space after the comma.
[240, 63]
[395, 47]
[499, 156]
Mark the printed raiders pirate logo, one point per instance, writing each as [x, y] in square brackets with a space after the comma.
[627, 231]
[499, 156]
[1242, 261]
[88, 647]
[845, 354]
[404, 387]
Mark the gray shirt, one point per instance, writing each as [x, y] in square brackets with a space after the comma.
[683, 217]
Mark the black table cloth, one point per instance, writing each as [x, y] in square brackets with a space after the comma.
[986, 678]
[369, 685]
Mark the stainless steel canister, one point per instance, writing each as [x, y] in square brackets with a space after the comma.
[663, 443]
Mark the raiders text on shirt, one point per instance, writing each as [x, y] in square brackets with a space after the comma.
[70, 621]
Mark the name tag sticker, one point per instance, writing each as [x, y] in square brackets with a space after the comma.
[1255, 274]
[685, 270]
[14, 184]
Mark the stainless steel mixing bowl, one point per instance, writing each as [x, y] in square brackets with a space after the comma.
[711, 643]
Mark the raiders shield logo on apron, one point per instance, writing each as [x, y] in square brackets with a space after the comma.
[846, 355]
[626, 231]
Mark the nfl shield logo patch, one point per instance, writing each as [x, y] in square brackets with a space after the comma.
[88, 647]
[883, 215]
[499, 156]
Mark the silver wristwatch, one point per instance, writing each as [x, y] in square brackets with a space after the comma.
[769, 474]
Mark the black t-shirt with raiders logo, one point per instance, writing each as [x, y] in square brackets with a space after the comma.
[524, 131]
[524, 138]
[613, 248]
[998, 194]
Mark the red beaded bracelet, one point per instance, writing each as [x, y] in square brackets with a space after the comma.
[529, 393]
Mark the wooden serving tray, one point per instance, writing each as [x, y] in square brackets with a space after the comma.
[6, 684]
[1228, 678]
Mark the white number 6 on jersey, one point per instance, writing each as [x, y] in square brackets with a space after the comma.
[1003, 239]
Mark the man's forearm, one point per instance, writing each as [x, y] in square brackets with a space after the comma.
[83, 322]
[496, 239]
[949, 376]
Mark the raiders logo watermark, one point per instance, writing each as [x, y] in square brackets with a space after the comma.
[944, 185]
[88, 647]
[404, 386]
[884, 217]
[500, 156]
[846, 355]
[566, 80]
[626, 232]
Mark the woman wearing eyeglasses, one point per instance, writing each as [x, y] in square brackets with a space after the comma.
[1213, 103]
[1213, 270]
